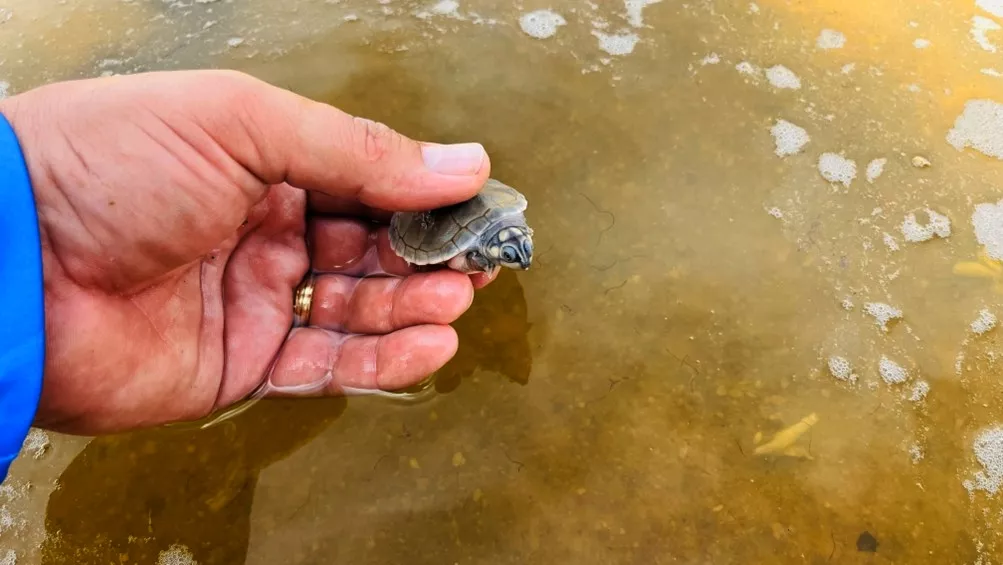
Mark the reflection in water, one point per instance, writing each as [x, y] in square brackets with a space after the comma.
[691, 288]
[493, 336]
[127, 498]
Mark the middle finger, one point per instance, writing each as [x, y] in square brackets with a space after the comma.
[385, 304]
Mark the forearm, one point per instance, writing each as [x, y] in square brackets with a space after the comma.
[22, 317]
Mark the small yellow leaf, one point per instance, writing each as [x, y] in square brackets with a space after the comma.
[971, 269]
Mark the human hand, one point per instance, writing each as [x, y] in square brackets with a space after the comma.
[178, 211]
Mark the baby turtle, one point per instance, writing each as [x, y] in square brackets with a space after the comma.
[485, 233]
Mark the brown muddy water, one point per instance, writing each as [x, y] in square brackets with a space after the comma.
[746, 338]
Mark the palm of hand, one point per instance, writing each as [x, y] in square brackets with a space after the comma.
[170, 269]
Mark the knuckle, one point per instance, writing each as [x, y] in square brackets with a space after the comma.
[375, 141]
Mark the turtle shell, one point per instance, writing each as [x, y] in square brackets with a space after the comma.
[436, 236]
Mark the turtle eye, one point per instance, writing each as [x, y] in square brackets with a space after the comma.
[509, 254]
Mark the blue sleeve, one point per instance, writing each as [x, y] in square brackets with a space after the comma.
[22, 317]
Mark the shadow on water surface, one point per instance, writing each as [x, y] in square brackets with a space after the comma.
[126, 498]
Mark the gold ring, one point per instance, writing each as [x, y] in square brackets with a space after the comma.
[303, 301]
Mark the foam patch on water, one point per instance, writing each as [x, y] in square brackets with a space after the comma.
[177, 554]
[984, 323]
[841, 369]
[882, 313]
[875, 168]
[921, 43]
[541, 24]
[836, 168]
[891, 372]
[710, 59]
[4, 87]
[747, 68]
[991, 72]
[994, 7]
[448, 8]
[617, 44]
[36, 443]
[788, 138]
[635, 9]
[890, 242]
[980, 126]
[981, 26]
[8, 558]
[782, 77]
[919, 391]
[830, 39]
[939, 225]
[988, 223]
[988, 448]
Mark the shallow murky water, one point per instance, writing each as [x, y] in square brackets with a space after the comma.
[696, 279]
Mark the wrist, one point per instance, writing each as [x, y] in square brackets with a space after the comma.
[22, 316]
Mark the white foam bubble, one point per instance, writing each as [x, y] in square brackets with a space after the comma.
[981, 26]
[980, 126]
[988, 448]
[4, 87]
[541, 24]
[176, 554]
[13, 489]
[747, 68]
[36, 443]
[617, 44]
[776, 213]
[890, 242]
[921, 43]
[984, 323]
[830, 39]
[6, 519]
[782, 77]
[916, 453]
[875, 168]
[753, 8]
[635, 9]
[8, 558]
[711, 59]
[891, 372]
[919, 391]
[847, 303]
[446, 7]
[991, 72]
[841, 369]
[836, 168]
[987, 219]
[788, 138]
[883, 313]
[848, 68]
[994, 7]
[939, 225]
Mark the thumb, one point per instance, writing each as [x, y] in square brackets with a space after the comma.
[317, 147]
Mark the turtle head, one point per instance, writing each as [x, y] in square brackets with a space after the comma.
[510, 246]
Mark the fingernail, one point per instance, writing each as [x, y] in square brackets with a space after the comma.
[459, 159]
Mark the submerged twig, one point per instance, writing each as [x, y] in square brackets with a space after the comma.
[612, 217]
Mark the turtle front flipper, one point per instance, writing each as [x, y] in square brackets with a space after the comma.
[472, 262]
